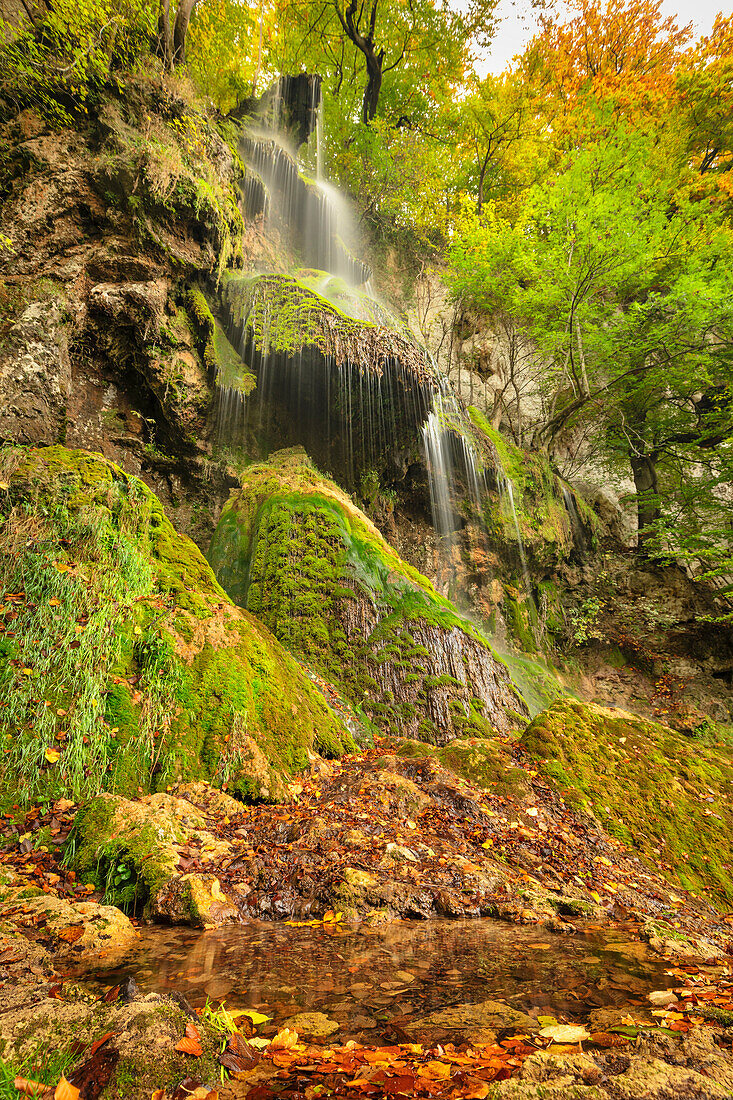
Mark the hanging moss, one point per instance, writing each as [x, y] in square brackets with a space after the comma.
[665, 795]
[282, 314]
[294, 549]
[148, 671]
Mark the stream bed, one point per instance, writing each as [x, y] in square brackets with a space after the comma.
[363, 978]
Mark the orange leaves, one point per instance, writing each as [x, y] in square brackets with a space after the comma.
[71, 934]
[191, 1043]
[30, 1088]
[65, 1091]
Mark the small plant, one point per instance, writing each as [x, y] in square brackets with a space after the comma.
[584, 625]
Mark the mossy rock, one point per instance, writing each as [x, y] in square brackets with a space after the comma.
[139, 670]
[293, 548]
[654, 789]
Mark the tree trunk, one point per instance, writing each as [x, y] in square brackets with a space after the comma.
[164, 44]
[180, 30]
[374, 85]
[644, 469]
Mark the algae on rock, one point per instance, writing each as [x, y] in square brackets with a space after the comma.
[127, 665]
[294, 549]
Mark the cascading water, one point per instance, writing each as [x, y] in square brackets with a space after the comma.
[336, 370]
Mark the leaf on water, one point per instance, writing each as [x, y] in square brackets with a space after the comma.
[257, 1018]
[565, 1033]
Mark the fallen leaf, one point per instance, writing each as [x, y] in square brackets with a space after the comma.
[189, 1046]
[565, 1033]
[71, 934]
[29, 1088]
[52, 755]
[284, 1040]
[65, 1091]
[256, 1017]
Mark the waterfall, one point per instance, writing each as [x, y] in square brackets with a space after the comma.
[506, 491]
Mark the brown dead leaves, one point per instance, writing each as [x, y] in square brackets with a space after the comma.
[191, 1043]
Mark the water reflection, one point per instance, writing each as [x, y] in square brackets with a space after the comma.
[361, 978]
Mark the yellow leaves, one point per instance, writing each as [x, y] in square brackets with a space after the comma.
[329, 917]
[27, 671]
[62, 566]
[53, 602]
[52, 755]
[565, 1033]
[488, 843]
[596, 897]
[257, 1018]
[434, 1071]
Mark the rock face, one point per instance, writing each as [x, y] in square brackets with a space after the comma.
[155, 675]
[292, 547]
[111, 226]
[660, 792]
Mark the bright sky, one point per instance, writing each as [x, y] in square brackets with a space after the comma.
[517, 25]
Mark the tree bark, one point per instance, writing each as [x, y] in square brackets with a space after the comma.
[644, 469]
[164, 44]
[180, 30]
[374, 84]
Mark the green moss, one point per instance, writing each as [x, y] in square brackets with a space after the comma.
[648, 786]
[149, 673]
[283, 314]
[294, 549]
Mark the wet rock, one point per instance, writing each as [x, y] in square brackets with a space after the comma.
[208, 799]
[197, 900]
[80, 928]
[668, 941]
[35, 375]
[312, 1025]
[652, 1079]
[146, 836]
[399, 853]
[474, 1022]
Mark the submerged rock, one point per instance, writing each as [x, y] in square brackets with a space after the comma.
[473, 1022]
[312, 1025]
[292, 547]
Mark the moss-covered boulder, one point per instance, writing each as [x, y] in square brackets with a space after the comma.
[665, 794]
[293, 548]
[123, 664]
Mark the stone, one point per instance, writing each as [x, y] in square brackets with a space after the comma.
[209, 799]
[195, 899]
[486, 1016]
[312, 1025]
[653, 1079]
[35, 376]
[82, 929]
[399, 853]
